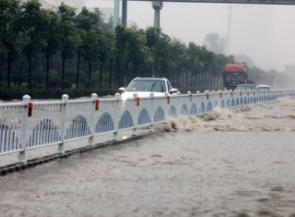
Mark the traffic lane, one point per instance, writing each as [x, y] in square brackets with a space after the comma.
[171, 174]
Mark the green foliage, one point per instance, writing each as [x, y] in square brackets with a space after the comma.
[68, 36]
[32, 23]
[8, 12]
[87, 20]
[160, 50]
[10, 43]
[152, 35]
[137, 49]
[121, 42]
[51, 32]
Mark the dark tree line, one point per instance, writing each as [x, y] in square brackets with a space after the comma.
[46, 49]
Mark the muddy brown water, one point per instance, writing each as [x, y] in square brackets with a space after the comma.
[235, 163]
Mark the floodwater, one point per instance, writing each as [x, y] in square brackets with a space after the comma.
[230, 163]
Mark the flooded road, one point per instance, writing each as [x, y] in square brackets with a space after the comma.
[237, 163]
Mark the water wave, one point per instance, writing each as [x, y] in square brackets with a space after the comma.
[257, 117]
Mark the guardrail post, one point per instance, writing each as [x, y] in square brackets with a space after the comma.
[137, 99]
[220, 93]
[179, 104]
[95, 108]
[116, 119]
[152, 112]
[24, 130]
[189, 93]
[65, 99]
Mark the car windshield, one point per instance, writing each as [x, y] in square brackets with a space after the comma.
[263, 88]
[147, 85]
[245, 87]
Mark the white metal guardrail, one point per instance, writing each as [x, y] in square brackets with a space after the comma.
[35, 124]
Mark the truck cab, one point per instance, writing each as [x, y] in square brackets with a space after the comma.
[235, 74]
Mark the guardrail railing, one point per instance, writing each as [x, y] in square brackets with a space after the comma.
[35, 124]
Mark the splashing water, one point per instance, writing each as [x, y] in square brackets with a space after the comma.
[276, 116]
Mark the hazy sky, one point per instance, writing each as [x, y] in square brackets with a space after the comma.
[263, 32]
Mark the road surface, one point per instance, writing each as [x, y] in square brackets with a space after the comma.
[230, 163]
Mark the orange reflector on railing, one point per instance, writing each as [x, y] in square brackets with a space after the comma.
[96, 105]
[207, 95]
[138, 101]
[30, 109]
[168, 99]
[220, 94]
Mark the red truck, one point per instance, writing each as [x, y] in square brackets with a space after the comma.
[235, 74]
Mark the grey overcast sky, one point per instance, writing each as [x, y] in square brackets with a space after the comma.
[264, 33]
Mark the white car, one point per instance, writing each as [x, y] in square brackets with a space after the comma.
[262, 87]
[143, 87]
[245, 87]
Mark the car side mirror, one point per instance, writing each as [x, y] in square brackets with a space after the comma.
[122, 90]
[173, 90]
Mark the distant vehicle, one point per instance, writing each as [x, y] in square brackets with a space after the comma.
[235, 74]
[143, 87]
[245, 87]
[263, 87]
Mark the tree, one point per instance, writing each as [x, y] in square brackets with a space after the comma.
[32, 22]
[105, 52]
[110, 36]
[179, 58]
[89, 50]
[52, 37]
[68, 37]
[195, 64]
[215, 43]
[136, 49]
[85, 22]
[99, 20]
[154, 37]
[159, 52]
[9, 37]
[121, 44]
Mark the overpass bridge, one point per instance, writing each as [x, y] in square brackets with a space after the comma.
[157, 5]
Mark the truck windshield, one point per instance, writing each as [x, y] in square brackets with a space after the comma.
[234, 75]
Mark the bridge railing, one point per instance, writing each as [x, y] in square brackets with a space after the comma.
[35, 124]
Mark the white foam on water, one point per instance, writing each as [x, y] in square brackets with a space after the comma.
[275, 116]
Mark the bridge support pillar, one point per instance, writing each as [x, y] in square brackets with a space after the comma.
[157, 5]
[116, 13]
[124, 12]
